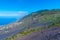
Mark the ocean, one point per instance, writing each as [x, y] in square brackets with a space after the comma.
[5, 21]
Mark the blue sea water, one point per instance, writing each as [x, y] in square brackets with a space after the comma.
[5, 21]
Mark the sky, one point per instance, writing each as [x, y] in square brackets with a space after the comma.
[10, 8]
[34, 5]
[14, 7]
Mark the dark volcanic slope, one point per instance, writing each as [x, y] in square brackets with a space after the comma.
[47, 34]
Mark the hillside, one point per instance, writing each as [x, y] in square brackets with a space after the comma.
[39, 20]
[41, 17]
[45, 34]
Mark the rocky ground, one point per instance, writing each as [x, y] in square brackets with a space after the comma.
[46, 34]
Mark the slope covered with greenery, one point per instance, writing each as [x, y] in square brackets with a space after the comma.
[42, 19]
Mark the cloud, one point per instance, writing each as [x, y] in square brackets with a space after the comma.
[8, 13]
[23, 13]
[13, 13]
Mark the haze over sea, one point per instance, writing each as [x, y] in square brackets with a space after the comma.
[7, 17]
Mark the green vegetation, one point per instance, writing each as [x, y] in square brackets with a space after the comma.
[22, 33]
[41, 16]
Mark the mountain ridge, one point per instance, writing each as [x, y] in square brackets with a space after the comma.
[42, 19]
